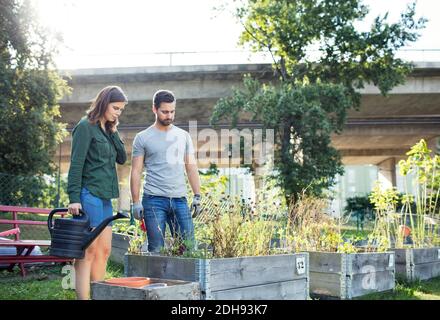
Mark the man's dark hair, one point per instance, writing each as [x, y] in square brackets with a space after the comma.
[162, 96]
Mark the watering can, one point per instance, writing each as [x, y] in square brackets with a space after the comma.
[71, 237]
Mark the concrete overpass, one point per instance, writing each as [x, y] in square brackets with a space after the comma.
[379, 133]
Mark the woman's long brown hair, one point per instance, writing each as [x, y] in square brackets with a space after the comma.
[100, 104]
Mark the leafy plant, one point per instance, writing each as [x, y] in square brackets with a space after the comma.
[310, 228]
[30, 89]
[310, 101]
[424, 222]
[419, 227]
[33, 191]
[137, 236]
[360, 204]
[359, 207]
[237, 228]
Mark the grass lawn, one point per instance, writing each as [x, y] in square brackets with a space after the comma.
[42, 283]
[422, 290]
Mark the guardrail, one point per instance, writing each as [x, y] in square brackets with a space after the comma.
[181, 58]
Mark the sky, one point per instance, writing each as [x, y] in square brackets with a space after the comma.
[115, 33]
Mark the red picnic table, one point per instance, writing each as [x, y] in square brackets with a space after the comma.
[24, 247]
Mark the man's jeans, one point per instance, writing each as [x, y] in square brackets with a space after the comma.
[174, 211]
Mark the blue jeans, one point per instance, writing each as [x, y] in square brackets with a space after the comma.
[173, 211]
[97, 209]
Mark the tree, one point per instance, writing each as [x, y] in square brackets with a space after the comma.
[321, 61]
[29, 92]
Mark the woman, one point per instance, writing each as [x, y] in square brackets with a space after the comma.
[93, 181]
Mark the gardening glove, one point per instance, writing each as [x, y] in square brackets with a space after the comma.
[196, 206]
[138, 211]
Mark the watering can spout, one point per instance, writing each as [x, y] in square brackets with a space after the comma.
[93, 234]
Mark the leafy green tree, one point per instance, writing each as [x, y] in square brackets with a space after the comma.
[30, 88]
[321, 60]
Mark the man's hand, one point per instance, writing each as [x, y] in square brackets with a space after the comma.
[196, 206]
[138, 211]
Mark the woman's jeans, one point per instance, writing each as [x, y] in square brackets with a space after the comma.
[96, 208]
[173, 211]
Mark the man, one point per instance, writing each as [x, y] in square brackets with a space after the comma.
[165, 151]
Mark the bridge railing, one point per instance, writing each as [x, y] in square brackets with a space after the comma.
[182, 58]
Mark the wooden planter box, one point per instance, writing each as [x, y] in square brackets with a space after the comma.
[242, 278]
[120, 243]
[417, 264]
[175, 290]
[346, 276]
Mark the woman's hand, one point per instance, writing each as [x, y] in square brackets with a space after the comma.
[114, 126]
[73, 208]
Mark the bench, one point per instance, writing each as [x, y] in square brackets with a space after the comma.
[10, 232]
[24, 247]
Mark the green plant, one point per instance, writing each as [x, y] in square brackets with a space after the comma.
[359, 207]
[420, 212]
[310, 228]
[30, 88]
[315, 90]
[386, 228]
[137, 235]
[241, 230]
[124, 227]
[234, 227]
[426, 170]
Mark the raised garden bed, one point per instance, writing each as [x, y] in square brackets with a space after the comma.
[417, 264]
[350, 275]
[262, 277]
[120, 244]
[157, 289]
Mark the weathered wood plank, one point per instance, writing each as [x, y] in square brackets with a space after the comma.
[362, 284]
[229, 273]
[400, 256]
[425, 255]
[286, 290]
[401, 270]
[329, 262]
[420, 263]
[120, 241]
[325, 284]
[100, 291]
[117, 255]
[426, 271]
[362, 263]
[190, 291]
[162, 267]
[175, 290]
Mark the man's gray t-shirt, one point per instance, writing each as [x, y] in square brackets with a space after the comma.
[164, 163]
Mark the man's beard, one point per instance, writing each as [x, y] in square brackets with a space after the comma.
[165, 122]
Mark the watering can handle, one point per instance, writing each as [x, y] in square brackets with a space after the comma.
[50, 217]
